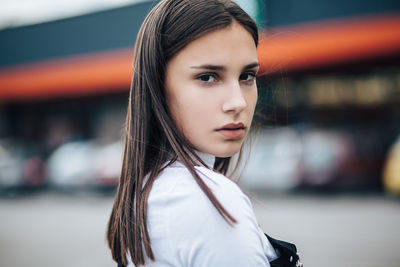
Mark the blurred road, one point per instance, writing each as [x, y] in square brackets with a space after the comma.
[69, 231]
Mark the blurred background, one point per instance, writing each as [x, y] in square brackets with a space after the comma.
[324, 171]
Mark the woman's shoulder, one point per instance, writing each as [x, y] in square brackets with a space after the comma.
[176, 193]
[187, 211]
[177, 181]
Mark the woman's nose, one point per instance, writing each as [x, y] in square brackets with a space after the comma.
[235, 100]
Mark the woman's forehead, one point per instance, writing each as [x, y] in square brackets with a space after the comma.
[232, 44]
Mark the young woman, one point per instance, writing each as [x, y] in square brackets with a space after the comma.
[191, 105]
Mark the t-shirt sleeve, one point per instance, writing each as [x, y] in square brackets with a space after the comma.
[202, 237]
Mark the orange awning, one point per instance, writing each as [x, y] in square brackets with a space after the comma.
[329, 43]
[78, 75]
[283, 49]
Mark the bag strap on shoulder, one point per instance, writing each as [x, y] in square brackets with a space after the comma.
[288, 256]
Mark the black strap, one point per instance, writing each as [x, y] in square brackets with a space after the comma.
[288, 256]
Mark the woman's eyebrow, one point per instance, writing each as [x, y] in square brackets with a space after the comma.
[222, 68]
[209, 67]
[252, 65]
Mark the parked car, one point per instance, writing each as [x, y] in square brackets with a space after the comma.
[314, 157]
[11, 162]
[391, 172]
[274, 161]
[20, 167]
[85, 164]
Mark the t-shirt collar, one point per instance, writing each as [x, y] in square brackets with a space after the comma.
[208, 159]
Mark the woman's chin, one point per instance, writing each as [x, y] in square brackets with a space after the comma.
[225, 151]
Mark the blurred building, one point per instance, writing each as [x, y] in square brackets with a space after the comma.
[329, 95]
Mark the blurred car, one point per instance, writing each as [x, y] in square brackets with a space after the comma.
[324, 155]
[11, 161]
[70, 165]
[391, 173]
[341, 159]
[274, 161]
[20, 168]
[107, 164]
[85, 164]
[312, 157]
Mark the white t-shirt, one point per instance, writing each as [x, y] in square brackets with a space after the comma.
[186, 230]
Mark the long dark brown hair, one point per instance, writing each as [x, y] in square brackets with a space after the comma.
[152, 140]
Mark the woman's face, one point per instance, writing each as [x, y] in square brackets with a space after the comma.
[211, 89]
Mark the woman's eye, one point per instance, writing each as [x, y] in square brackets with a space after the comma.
[208, 78]
[247, 76]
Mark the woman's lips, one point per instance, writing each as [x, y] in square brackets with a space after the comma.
[232, 130]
